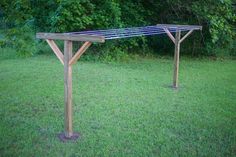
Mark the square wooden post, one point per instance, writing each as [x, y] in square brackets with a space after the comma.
[68, 88]
[176, 59]
[68, 134]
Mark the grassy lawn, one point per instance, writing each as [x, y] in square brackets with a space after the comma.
[120, 109]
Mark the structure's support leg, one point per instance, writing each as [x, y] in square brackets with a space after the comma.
[68, 88]
[67, 60]
[176, 59]
[177, 41]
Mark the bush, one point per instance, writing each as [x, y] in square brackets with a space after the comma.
[216, 16]
[115, 54]
[22, 39]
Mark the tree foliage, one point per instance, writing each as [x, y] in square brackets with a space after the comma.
[216, 16]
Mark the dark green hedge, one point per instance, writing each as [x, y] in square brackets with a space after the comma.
[22, 18]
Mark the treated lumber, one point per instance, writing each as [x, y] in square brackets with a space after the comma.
[80, 52]
[176, 59]
[194, 27]
[68, 88]
[169, 34]
[186, 35]
[56, 50]
[71, 37]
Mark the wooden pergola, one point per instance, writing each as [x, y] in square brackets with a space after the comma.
[100, 36]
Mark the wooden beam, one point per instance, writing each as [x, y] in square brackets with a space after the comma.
[80, 52]
[186, 35]
[194, 27]
[68, 88]
[176, 59]
[71, 37]
[56, 50]
[169, 34]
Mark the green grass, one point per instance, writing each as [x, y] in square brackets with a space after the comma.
[120, 109]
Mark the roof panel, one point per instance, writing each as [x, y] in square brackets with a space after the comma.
[137, 31]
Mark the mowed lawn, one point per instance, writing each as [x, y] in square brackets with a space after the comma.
[120, 109]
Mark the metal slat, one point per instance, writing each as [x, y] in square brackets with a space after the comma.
[130, 34]
[122, 30]
[146, 27]
[136, 31]
[135, 35]
[107, 30]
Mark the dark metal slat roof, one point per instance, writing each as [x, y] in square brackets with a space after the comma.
[137, 31]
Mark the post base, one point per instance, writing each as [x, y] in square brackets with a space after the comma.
[73, 138]
[171, 87]
[174, 87]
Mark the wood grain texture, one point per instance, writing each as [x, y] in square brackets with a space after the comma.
[194, 27]
[77, 55]
[68, 88]
[186, 35]
[56, 50]
[169, 34]
[176, 59]
[70, 37]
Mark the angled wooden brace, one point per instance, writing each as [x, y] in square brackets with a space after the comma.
[186, 35]
[169, 34]
[177, 41]
[173, 38]
[56, 50]
[77, 55]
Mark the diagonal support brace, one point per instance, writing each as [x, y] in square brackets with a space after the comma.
[169, 34]
[173, 38]
[56, 50]
[186, 35]
[80, 52]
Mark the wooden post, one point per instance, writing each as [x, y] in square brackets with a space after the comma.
[177, 41]
[68, 88]
[176, 59]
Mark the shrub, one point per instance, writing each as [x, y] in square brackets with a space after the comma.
[22, 39]
[216, 16]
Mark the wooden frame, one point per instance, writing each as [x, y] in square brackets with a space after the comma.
[67, 59]
[71, 37]
[177, 40]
